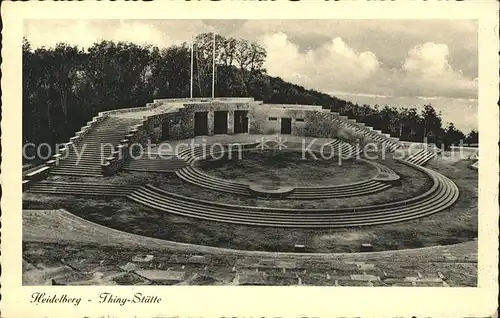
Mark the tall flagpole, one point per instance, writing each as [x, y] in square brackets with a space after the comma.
[192, 53]
[213, 68]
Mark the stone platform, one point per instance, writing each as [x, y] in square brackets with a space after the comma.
[270, 191]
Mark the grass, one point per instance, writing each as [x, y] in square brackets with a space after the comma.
[457, 224]
[287, 168]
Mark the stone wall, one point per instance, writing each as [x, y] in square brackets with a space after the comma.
[182, 126]
[267, 120]
[263, 119]
[135, 142]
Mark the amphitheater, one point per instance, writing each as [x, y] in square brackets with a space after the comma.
[212, 191]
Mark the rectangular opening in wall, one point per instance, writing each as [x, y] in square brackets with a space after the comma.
[299, 119]
[165, 129]
[220, 122]
[240, 122]
[200, 124]
[272, 118]
[286, 126]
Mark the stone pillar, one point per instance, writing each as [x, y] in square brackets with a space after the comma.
[210, 119]
[230, 122]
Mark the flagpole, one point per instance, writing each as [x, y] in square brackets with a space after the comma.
[191, 83]
[213, 67]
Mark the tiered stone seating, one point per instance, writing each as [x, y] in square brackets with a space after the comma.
[341, 191]
[440, 196]
[195, 176]
[365, 187]
[199, 178]
[78, 188]
[109, 131]
[155, 163]
[421, 157]
[376, 135]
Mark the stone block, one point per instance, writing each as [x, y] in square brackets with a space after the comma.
[353, 283]
[299, 248]
[159, 275]
[142, 258]
[178, 259]
[51, 163]
[364, 277]
[25, 184]
[281, 281]
[366, 267]
[129, 267]
[199, 259]
[366, 247]
[251, 279]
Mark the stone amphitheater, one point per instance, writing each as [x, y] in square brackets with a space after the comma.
[179, 137]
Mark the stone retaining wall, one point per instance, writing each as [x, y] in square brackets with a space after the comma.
[134, 142]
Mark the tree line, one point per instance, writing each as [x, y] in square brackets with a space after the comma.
[65, 86]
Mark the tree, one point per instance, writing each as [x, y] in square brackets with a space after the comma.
[409, 124]
[452, 136]
[472, 138]
[432, 125]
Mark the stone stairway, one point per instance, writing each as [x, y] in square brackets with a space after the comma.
[84, 157]
[155, 163]
[421, 157]
[385, 139]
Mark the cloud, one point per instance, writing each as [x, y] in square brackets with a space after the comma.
[426, 71]
[48, 33]
[337, 67]
[140, 33]
[334, 59]
[389, 40]
[344, 59]
[84, 33]
[428, 60]
[283, 57]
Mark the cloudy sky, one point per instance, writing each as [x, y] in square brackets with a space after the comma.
[376, 61]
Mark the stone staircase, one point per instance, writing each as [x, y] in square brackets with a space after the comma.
[155, 163]
[85, 156]
[386, 140]
[421, 157]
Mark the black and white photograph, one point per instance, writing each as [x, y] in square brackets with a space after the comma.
[283, 145]
[248, 152]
